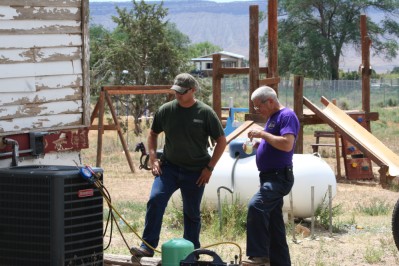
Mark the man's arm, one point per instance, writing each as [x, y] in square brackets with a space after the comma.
[217, 153]
[218, 150]
[152, 143]
[284, 143]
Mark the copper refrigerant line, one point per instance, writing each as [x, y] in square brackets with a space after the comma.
[94, 178]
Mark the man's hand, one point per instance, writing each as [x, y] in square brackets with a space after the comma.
[156, 168]
[204, 177]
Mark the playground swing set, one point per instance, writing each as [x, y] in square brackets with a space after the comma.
[357, 156]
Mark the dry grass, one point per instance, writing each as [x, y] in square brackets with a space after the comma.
[362, 239]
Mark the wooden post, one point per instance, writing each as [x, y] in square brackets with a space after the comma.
[337, 137]
[217, 85]
[272, 41]
[298, 109]
[101, 108]
[366, 68]
[253, 53]
[120, 133]
[86, 61]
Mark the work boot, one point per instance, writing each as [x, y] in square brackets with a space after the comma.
[256, 261]
[141, 252]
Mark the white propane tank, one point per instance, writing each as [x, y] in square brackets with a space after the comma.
[241, 176]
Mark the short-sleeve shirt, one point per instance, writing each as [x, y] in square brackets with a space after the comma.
[186, 133]
[280, 123]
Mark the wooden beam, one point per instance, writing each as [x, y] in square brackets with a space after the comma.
[217, 85]
[101, 109]
[298, 109]
[136, 87]
[238, 70]
[128, 260]
[105, 127]
[257, 118]
[327, 120]
[253, 53]
[86, 61]
[366, 67]
[238, 131]
[120, 133]
[272, 41]
[313, 119]
[133, 92]
[269, 81]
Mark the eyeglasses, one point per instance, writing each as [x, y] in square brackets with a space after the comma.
[182, 93]
[256, 108]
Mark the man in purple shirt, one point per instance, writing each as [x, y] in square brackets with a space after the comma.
[266, 237]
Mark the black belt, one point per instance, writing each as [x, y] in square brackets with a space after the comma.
[276, 171]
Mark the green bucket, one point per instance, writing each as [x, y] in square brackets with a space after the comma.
[175, 250]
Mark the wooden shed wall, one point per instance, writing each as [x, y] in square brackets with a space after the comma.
[44, 65]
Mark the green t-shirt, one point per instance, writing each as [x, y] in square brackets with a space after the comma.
[186, 133]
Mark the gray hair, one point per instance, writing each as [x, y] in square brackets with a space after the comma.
[263, 93]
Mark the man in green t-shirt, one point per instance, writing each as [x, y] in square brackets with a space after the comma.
[186, 163]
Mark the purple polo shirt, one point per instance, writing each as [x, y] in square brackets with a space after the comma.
[280, 123]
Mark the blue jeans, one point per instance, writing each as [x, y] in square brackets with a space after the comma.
[265, 225]
[174, 177]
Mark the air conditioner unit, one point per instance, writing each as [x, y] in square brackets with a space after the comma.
[49, 215]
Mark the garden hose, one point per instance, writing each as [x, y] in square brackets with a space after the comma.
[94, 178]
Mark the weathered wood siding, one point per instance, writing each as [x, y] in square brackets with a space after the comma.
[44, 71]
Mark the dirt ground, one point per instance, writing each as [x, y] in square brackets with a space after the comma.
[363, 239]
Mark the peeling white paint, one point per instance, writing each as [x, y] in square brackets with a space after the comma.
[41, 69]
[61, 11]
[41, 65]
[9, 41]
[7, 13]
[44, 109]
[10, 56]
[42, 96]
[32, 84]
[22, 25]
[28, 123]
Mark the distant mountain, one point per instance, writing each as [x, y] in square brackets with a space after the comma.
[223, 24]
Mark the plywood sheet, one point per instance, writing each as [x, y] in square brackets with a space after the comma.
[364, 138]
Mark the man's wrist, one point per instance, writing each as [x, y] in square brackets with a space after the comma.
[210, 168]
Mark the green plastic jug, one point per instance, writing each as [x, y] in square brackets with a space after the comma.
[175, 250]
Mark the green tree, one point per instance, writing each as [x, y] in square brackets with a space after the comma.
[313, 33]
[203, 48]
[395, 70]
[144, 49]
[349, 75]
[100, 72]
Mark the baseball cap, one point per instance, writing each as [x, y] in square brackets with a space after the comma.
[184, 82]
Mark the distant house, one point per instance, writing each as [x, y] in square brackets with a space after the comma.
[203, 64]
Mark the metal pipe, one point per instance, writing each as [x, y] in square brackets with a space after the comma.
[228, 189]
[220, 206]
[292, 217]
[330, 208]
[15, 150]
[312, 211]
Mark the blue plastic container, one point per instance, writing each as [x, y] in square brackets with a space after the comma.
[235, 148]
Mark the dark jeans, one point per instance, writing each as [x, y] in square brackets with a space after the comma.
[265, 225]
[173, 178]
